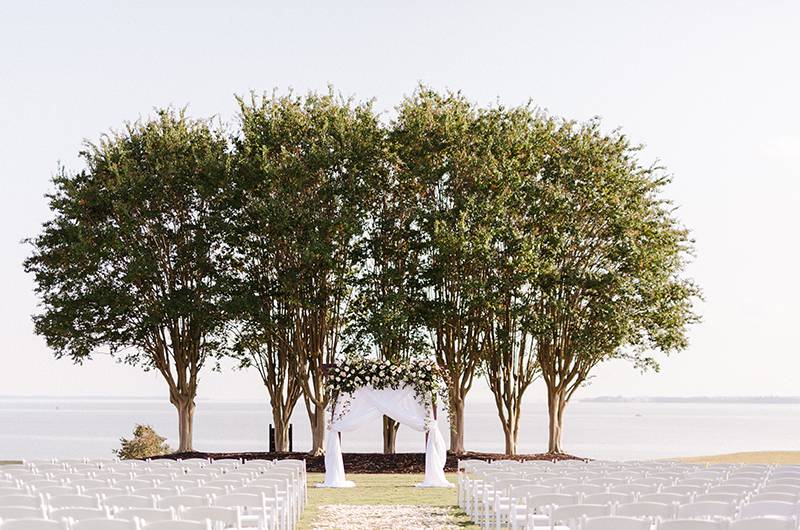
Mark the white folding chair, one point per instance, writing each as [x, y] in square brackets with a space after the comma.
[615, 523]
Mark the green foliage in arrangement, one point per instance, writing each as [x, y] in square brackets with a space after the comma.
[420, 374]
[146, 443]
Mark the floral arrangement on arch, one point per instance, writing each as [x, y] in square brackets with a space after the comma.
[423, 375]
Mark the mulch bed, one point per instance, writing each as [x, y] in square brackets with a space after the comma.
[374, 462]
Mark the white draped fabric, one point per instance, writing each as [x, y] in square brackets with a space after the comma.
[367, 405]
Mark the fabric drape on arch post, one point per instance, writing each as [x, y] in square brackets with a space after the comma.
[368, 404]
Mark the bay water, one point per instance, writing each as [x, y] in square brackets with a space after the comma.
[44, 427]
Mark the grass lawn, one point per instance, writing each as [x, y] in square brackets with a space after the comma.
[381, 489]
[760, 457]
[9, 462]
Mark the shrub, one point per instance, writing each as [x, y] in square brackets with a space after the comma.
[146, 442]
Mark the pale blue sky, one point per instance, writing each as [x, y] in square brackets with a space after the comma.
[711, 87]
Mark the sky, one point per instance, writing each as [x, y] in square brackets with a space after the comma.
[711, 88]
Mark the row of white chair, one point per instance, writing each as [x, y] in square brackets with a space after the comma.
[269, 494]
[513, 494]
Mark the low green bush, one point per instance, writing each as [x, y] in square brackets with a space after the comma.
[146, 442]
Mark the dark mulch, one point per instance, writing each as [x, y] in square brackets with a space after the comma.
[374, 462]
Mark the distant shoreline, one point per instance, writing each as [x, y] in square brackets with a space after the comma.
[778, 400]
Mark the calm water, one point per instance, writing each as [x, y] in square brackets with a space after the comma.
[41, 428]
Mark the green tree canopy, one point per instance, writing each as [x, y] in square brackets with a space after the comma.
[128, 265]
[306, 172]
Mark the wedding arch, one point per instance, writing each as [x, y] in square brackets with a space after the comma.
[365, 390]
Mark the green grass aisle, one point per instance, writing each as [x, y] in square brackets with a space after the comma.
[390, 489]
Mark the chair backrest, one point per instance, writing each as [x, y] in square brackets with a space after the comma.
[21, 512]
[5, 491]
[242, 500]
[665, 498]
[768, 508]
[205, 490]
[159, 492]
[731, 488]
[763, 523]
[684, 490]
[129, 501]
[526, 490]
[782, 497]
[177, 525]
[29, 501]
[646, 509]
[146, 514]
[177, 501]
[73, 501]
[633, 488]
[104, 524]
[89, 483]
[135, 483]
[574, 512]
[608, 498]
[615, 523]
[718, 497]
[550, 499]
[780, 488]
[705, 509]
[34, 524]
[691, 524]
[52, 491]
[791, 481]
[78, 513]
[583, 489]
[230, 517]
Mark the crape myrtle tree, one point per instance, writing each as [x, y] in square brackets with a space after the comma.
[387, 310]
[128, 265]
[611, 258]
[434, 138]
[512, 141]
[305, 171]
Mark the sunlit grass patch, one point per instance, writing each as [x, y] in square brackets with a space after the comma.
[373, 489]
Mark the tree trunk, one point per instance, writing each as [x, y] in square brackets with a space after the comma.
[555, 409]
[281, 432]
[457, 425]
[511, 429]
[185, 424]
[511, 441]
[389, 435]
[317, 419]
